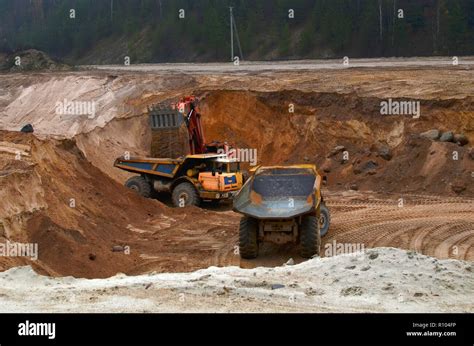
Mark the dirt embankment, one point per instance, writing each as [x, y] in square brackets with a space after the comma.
[53, 196]
[74, 212]
[348, 138]
[345, 111]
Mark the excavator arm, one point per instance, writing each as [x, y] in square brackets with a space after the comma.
[193, 123]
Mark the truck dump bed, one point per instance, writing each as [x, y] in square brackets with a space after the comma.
[160, 167]
[279, 192]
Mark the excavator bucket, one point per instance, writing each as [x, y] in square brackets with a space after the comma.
[169, 136]
[279, 192]
[164, 117]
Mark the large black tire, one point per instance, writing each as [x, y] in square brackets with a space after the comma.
[248, 237]
[140, 185]
[188, 193]
[324, 219]
[310, 238]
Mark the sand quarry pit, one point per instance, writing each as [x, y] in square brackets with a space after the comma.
[397, 189]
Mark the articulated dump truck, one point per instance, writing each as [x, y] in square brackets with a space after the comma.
[282, 204]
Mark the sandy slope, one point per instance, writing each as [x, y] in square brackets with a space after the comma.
[379, 280]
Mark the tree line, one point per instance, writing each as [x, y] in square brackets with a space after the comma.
[198, 30]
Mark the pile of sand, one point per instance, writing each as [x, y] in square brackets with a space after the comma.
[54, 197]
[30, 60]
[380, 280]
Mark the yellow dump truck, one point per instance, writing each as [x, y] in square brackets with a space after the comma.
[282, 204]
[190, 179]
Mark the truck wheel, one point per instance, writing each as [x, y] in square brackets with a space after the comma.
[310, 238]
[139, 185]
[324, 220]
[185, 195]
[248, 242]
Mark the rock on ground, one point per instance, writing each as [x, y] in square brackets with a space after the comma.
[431, 134]
[447, 137]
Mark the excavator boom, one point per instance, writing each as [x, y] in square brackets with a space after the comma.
[193, 123]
